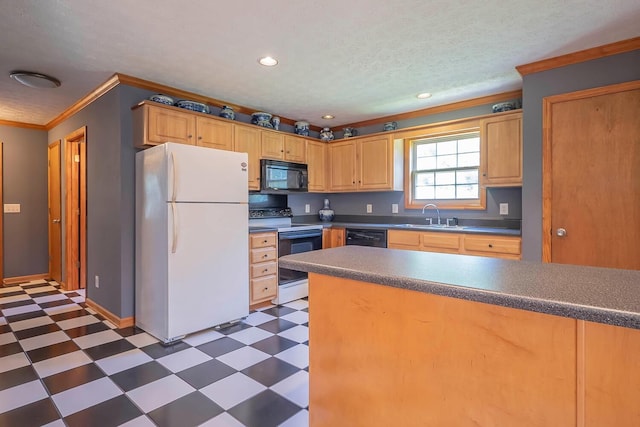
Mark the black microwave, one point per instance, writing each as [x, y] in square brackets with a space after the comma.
[277, 176]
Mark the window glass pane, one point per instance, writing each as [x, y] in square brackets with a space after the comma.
[446, 192]
[424, 163]
[443, 178]
[468, 191]
[468, 159]
[424, 150]
[446, 162]
[467, 176]
[425, 178]
[468, 145]
[447, 147]
[425, 193]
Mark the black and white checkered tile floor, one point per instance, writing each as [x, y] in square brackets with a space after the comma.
[63, 364]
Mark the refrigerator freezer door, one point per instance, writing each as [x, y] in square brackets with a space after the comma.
[186, 173]
[208, 267]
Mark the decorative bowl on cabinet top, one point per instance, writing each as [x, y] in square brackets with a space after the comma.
[503, 106]
[193, 106]
[326, 135]
[162, 99]
[262, 119]
[227, 112]
[301, 127]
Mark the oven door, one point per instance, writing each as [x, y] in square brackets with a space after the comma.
[294, 242]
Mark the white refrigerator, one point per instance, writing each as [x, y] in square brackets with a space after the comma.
[192, 249]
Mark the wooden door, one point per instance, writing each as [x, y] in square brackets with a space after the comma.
[591, 177]
[166, 125]
[317, 163]
[502, 150]
[214, 133]
[374, 163]
[294, 149]
[247, 140]
[272, 145]
[75, 210]
[342, 172]
[55, 214]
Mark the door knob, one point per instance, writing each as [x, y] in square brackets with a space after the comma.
[561, 232]
[55, 221]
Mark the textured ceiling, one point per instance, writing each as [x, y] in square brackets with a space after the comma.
[356, 59]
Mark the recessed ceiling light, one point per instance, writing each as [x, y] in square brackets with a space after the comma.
[37, 80]
[423, 95]
[328, 117]
[268, 61]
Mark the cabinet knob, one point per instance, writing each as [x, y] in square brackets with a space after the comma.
[190, 136]
[265, 256]
[490, 245]
[264, 241]
[199, 137]
[265, 270]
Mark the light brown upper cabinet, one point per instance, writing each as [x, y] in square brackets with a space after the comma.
[317, 164]
[501, 159]
[247, 140]
[214, 133]
[279, 146]
[155, 124]
[366, 164]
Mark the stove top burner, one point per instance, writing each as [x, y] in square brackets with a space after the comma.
[270, 213]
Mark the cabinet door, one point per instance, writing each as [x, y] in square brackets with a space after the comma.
[317, 163]
[247, 140]
[337, 237]
[374, 163]
[342, 173]
[165, 125]
[272, 145]
[214, 133]
[502, 150]
[295, 149]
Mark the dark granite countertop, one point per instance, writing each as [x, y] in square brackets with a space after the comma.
[261, 229]
[600, 295]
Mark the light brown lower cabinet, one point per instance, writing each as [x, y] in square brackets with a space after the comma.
[456, 243]
[395, 357]
[333, 237]
[263, 267]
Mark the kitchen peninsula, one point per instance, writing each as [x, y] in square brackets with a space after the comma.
[427, 339]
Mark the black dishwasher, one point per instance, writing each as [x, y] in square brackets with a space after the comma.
[367, 237]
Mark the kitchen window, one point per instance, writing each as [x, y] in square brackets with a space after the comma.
[444, 169]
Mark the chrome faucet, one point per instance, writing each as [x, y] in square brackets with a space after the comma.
[431, 205]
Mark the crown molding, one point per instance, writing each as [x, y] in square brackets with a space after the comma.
[580, 56]
[500, 97]
[22, 125]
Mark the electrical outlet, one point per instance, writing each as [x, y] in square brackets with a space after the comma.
[369, 208]
[97, 282]
[394, 208]
[12, 208]
[504, 208]
[307, 208]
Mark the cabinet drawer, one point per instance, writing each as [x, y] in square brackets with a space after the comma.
[264, 269]
[264, 287]
[403, 239]
[262, 240]
[499, 245]
[442, 240]
[263, 254]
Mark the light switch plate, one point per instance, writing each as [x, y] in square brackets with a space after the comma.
[307, 208]
[394, 208]
[12, 208]
[369, 208]
[504, 208]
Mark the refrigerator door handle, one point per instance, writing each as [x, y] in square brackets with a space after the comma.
[173, 178]
[174, 242]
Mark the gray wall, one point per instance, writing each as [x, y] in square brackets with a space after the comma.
[599, 72]
[25, 249]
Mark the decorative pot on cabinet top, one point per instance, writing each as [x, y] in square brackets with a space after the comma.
[326, 135]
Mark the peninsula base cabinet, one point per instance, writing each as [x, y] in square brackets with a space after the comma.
[400, 357]
[263, 267]
[333, 237]
[507, 247]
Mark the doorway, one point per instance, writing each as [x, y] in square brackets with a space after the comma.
[591, 177]
[76, 209]
[1, 222]
[55, 214]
